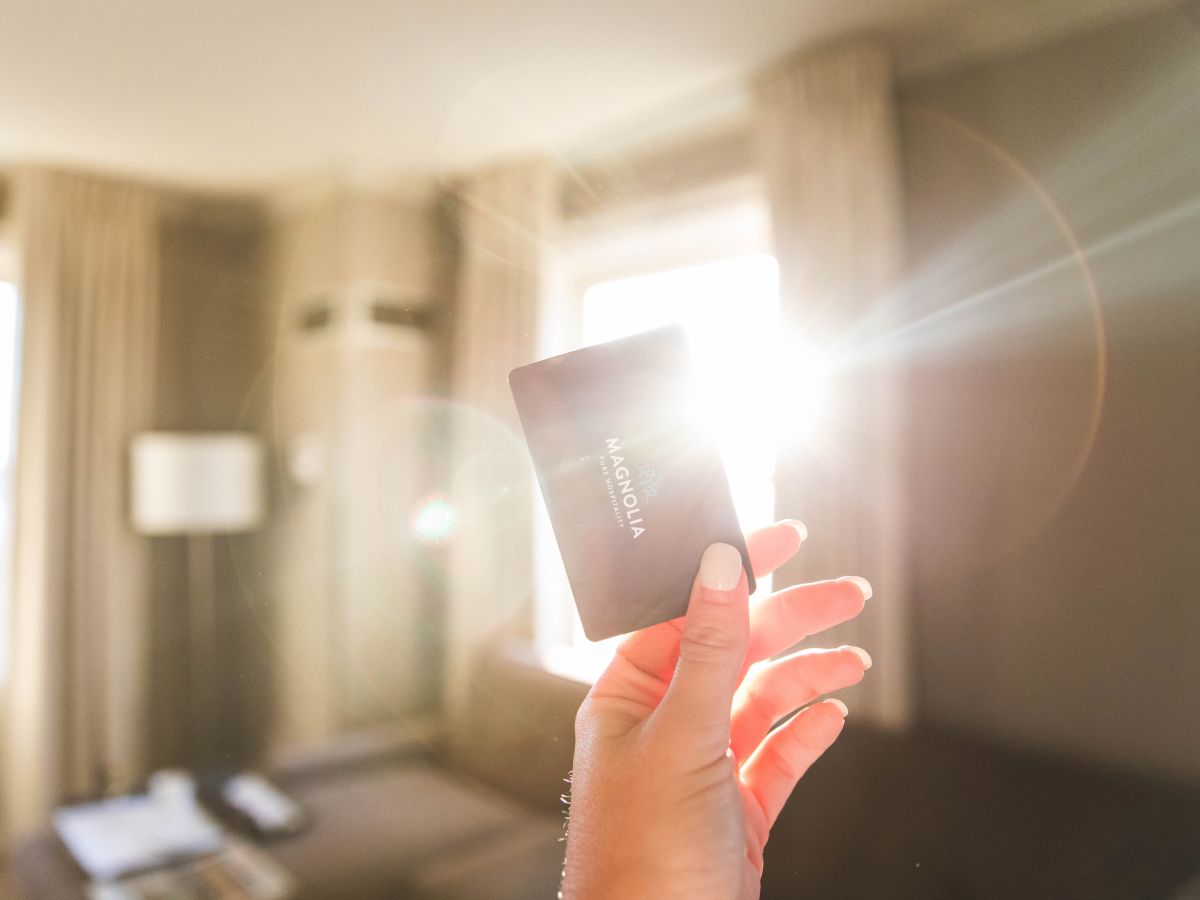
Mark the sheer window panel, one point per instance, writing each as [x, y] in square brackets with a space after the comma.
[10, 324]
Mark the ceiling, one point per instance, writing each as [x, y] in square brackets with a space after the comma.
[236, 94]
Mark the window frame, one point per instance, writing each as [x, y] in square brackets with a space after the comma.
[727, 219]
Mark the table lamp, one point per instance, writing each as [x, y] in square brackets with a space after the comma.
[197, 485]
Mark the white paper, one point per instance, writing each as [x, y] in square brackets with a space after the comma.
[125, 834]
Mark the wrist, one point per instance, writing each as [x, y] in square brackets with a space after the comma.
[609, 883]
[599, 867]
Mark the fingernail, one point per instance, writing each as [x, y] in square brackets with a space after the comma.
[863, 585]
[801, 528]
[720, 567]
[839, 706]
[861, 654]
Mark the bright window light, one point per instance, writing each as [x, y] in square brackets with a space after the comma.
[730, 311]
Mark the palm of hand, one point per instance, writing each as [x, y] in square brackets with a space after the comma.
[678, 773]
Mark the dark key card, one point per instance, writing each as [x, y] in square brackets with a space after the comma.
[635, 488]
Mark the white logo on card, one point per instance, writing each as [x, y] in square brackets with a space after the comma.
[627, 490]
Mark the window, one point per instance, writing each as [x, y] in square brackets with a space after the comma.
[729, 308]
[9, 348]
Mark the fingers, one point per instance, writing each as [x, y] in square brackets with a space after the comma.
[712, 649]
[783, 758]
[786, 617]
[772, 690]
[777, 622]
[655, 650]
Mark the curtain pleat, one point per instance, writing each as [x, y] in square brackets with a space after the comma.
[828, 145]
[89, 284]
[504, 218]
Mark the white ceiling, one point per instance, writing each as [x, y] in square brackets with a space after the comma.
[250, 93]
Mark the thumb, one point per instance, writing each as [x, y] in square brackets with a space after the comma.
[712, 650]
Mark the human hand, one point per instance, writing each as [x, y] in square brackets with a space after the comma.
[678, 775]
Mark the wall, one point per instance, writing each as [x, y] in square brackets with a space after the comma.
[1056, 520]
[358, 619]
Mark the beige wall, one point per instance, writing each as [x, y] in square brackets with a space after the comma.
[356, 636]
[1060, 619]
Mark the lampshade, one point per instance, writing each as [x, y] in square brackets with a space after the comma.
[196, 483]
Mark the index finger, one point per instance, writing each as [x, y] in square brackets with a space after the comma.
[771, 547]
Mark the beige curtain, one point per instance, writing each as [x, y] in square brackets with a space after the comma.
[828, 143]
[89, 284]
[505, 216]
